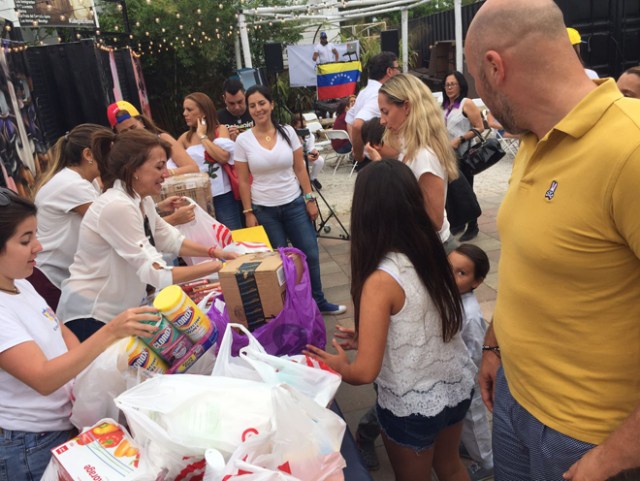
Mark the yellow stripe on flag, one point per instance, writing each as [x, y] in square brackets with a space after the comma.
[337, 67]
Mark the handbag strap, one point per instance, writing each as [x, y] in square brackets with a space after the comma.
[478, 134]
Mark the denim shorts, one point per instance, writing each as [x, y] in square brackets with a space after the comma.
[25, 456]
[416, 431]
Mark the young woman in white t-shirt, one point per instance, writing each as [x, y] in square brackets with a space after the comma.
[63, 194]
[407, 318]
[39, 356]
[415, 127]
[280, 197]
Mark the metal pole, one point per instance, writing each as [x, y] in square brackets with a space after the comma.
[457, 11]
[244, 38]
[404, 15]
[236, 44]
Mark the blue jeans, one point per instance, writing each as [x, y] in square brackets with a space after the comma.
[228, 210]
[291, 222]
[524, 449]
[24, 456]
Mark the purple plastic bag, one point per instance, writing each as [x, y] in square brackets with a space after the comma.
[300, 322]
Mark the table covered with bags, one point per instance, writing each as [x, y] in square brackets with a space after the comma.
[211, 399]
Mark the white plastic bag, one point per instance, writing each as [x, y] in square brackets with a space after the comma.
[176, 416]
[96, 387]
[204, 230]
[310, 377]
[304, 441]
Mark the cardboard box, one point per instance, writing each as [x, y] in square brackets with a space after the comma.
[254, 287]
[104, 451]
[194, 186]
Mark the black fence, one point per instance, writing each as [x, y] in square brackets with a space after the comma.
[611, 29]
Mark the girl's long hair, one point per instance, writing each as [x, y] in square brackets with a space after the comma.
[424, 125]
[388, 215]
[67, 151]
[204, 103]
[261, 89]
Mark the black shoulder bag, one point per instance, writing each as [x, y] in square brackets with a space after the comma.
[481, 155]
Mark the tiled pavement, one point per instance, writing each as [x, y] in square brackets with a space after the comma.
[335, 267]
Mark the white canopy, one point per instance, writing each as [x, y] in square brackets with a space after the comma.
[351, 9]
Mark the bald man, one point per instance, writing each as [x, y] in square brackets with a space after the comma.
[561, 362]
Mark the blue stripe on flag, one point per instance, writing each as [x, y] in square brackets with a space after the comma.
[338, 78]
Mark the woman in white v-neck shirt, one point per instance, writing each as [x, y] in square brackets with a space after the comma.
[63, 195]
[280, 197]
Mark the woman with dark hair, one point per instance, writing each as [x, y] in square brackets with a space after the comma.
[39, 356]
[280, 197]
[460, 116]
[341, 145]
[208, 143]
[123, 116]
[407, 326]
[122, 236]
[63, 194]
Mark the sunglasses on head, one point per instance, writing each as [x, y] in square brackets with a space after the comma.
[6, 196]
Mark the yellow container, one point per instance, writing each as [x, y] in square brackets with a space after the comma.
[141, 355]
[182, 312]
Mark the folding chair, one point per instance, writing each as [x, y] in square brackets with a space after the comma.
[341, 156]
[508, 144]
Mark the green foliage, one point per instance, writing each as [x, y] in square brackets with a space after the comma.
[187, 46]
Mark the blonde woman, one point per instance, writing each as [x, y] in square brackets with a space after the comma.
[415, 127]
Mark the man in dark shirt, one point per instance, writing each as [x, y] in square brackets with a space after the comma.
[235, 115]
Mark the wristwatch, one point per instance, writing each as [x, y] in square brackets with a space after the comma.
[462, 139]
[309, 197]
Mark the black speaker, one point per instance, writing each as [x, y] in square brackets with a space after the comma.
[389, 41]
[273, 57]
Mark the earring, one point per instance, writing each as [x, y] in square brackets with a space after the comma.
[136, 177]
[90, 162]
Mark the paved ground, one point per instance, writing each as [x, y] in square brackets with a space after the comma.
[334, 258]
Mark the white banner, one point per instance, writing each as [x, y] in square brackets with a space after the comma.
[302, 68]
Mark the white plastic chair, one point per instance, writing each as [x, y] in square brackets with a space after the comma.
[332, 134]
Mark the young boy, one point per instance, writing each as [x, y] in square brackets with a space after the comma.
[470, 266]
[374, 147]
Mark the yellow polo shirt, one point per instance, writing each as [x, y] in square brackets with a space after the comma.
[567, 316]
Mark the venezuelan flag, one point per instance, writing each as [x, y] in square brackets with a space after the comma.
[337, 80]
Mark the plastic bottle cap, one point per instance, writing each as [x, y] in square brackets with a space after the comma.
[168, 298]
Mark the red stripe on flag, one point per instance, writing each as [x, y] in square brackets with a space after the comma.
[336, 91]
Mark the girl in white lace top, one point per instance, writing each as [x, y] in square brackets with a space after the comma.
[407, 326]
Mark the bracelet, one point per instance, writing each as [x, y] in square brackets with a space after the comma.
[202, 137]
[212, 252]
[494, 349]
[462, 139]
[247, 211]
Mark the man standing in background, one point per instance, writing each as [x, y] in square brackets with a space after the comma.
[325, 51]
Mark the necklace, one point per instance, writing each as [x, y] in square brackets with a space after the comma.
[15, 290]
[267, 137]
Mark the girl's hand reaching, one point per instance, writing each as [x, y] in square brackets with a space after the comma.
[338, 362]
[130, 322]
[350, 342]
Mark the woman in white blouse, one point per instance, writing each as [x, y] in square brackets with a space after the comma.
[122, 236]
[63, 195]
